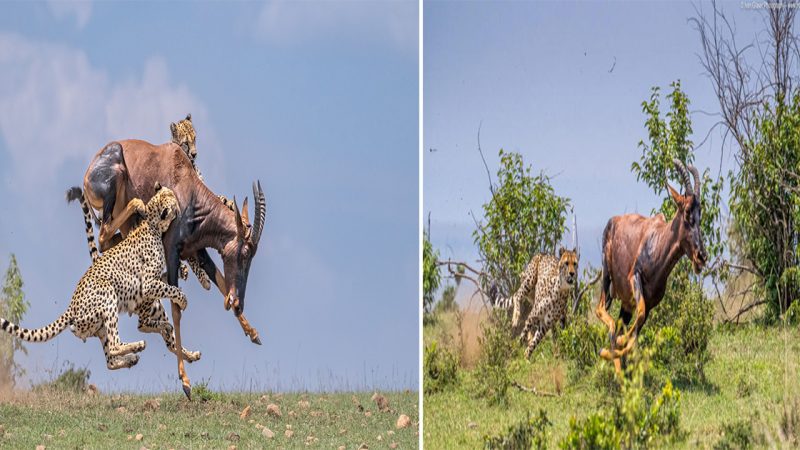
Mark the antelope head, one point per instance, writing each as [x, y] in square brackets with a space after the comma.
[238, 253]
[688, 216]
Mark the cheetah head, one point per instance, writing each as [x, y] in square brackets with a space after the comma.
[162, 208]
[184, 135]
[567, 267]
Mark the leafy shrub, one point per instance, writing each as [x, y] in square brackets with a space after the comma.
[581, 341]
[792, 315]
[680, 329]
[440, 369]
[637, 418]
[448, 301]
[524, 217]
[70, 379]
[597, 432]
[737, 435]
[497, 347]
[202, 392]
[431, 276]
[530, 433]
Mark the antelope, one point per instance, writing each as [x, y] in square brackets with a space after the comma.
[128, 169]
[638, 255]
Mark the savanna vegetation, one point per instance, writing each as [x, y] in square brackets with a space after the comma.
[716, 364]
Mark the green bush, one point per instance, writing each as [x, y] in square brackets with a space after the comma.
[440, 369]
[531, 433]
[498, 347]
[597, 432]
[581, 342]
[431, 276]
[448, 301]
[638, 417]
[70, 379]
[679, 330]
[202, 392]
[738, 435]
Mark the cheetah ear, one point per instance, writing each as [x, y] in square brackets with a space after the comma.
[561, 251]
[164, 213]
[157, 186]
[173, 128]
[189, 117]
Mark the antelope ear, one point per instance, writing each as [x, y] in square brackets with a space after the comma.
[189, 117]
[173, 128]
[245, 216]
[678, 198]
[157, 186]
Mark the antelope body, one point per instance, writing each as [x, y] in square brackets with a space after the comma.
[638, 255]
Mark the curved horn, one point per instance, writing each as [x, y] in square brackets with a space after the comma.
[260, 211]
[684, 175]
[696, 176]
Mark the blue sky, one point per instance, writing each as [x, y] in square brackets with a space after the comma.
[538, 77]
[317, 100]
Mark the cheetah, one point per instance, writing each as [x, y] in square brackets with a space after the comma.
[545, 287]
[184, 135]
[125, 278]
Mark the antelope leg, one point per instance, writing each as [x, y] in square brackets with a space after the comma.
[218, 278]
[641, 315]
[605, 317]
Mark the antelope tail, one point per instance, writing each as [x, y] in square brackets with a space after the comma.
[75, 193]
[39, 334]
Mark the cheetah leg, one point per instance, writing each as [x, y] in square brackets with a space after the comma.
[115, 362]
[115, 346]
[533, 323]
[201, 274]
[155, 321]
[158, 289]
[107, 230]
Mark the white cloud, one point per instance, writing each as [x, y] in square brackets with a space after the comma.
[56, 106]
[284, 22]
[80, 10]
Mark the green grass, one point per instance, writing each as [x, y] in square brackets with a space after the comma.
[753, 374]
[60, 419]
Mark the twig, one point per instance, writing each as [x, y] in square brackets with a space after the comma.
[584, 290]
[533, 390]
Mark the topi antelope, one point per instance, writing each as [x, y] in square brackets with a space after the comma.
[125, 170]
[638, 255]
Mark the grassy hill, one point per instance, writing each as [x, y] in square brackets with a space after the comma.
[752, 390]
[63, 419]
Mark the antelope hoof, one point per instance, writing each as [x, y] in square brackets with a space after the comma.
[255, 340]
[188, 391]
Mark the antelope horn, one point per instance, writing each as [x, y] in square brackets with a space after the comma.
[260, 211]
[684, 176]
[696, 176]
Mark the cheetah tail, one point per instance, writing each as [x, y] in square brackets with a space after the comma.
[37, 335]
[75, 193]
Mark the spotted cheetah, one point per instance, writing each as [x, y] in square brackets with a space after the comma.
[184, 135]
[545, 287]
[126, 278]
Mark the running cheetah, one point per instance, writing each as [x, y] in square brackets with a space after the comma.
[126, 278]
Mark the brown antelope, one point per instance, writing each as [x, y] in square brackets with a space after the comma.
[638, 255]
[126, 170]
